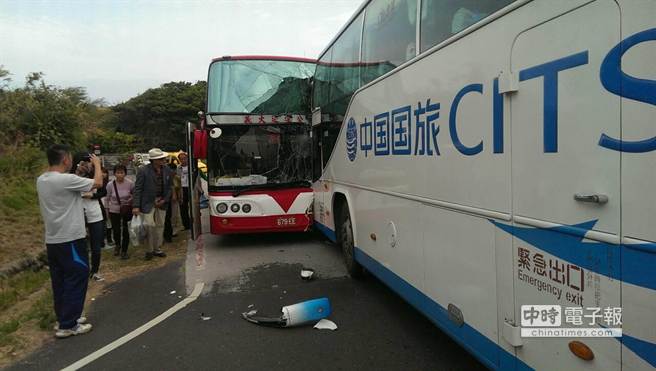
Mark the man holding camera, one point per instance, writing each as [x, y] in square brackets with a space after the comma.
[65, 236]
[152, 193]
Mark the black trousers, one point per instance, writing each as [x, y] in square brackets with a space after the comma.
[107, 231]
[168, 229]
[96, 237]
[184, 208]
[120, 231]
[69, 273]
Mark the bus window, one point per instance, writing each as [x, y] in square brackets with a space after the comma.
[389, 36]
[329, 134]
[441, 19]
[321, 94]
[344, 69]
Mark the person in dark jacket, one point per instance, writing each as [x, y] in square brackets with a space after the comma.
[152, 193]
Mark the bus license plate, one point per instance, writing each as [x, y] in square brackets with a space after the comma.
[283, 222]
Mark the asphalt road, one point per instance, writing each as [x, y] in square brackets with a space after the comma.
[376, 329]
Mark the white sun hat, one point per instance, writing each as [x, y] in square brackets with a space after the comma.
[156, 154]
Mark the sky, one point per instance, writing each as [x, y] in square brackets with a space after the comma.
[118, 49]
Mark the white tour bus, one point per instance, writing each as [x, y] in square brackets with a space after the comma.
[494, 163]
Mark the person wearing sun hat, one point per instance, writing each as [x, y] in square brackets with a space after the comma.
[152, 194]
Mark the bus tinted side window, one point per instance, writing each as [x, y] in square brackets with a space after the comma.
[321, 94]
[441, 19]
[345, 69]
[389, 36]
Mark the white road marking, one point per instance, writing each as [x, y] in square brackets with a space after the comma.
[147, 326]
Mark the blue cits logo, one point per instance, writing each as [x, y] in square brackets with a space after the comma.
[351, 139]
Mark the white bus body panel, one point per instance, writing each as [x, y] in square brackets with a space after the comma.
[449, 227]
[544, 184]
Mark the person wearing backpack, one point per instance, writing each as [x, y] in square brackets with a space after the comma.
[119, 199]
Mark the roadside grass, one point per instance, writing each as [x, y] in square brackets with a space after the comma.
[20, 286]
[21, 228]
[26, 311]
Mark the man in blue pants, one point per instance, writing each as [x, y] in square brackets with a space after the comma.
[63, 215]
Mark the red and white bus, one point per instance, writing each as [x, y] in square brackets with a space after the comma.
[258, 144]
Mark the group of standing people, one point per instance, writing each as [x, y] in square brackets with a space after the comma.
[70, 194]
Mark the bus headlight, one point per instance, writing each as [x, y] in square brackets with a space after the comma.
[234, 208]
[222, 208]
[246, 208]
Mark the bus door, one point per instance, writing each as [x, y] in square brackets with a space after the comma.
[194, 202]
[317, 169]
[566, 187]
[324, 136]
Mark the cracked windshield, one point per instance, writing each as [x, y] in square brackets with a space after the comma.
[263, 154]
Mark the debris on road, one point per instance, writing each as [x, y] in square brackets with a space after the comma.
[293, 315]
[203, 317]
[326, 324]
[307, 274]
[172, 292]
[251, 306]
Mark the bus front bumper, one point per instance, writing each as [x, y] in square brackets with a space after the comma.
[260, 224]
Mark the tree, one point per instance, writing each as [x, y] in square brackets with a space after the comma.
[39, 115]
[159, 115]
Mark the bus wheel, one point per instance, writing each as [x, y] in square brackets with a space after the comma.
[354, 268]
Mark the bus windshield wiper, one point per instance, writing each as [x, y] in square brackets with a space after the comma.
[295, 183]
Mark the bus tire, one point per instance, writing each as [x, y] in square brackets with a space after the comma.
[346, 241]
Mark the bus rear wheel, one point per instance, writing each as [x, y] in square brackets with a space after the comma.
[353, 268]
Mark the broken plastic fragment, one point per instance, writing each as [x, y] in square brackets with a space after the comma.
[307, 273]
[294, 315]
[172, 292]
[326, 324]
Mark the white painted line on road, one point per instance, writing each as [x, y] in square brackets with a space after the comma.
[147, 326]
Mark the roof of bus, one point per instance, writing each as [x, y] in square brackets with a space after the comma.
[264, 58]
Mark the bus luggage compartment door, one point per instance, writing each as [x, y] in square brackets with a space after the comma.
[565, 184]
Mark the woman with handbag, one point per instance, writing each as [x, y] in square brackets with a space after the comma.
[119, 198]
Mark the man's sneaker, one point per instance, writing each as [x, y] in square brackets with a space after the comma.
[96, 277]
[149, 255]
[124, 256]
[159, 253]
[79, 329]
[80, 321]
